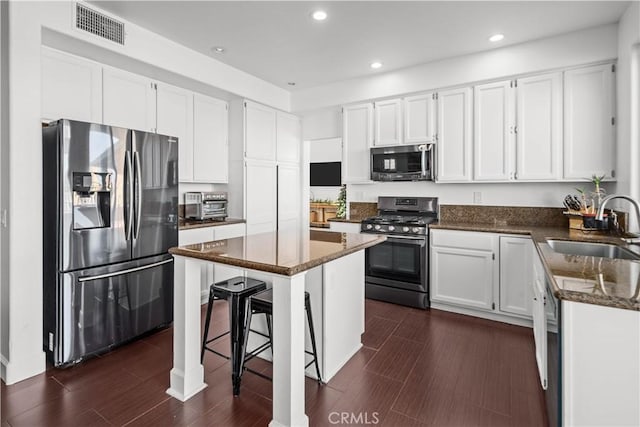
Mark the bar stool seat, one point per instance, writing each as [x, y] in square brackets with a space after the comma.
[262, 303]
[236, 291]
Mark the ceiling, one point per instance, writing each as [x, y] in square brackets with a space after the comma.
[280, 42]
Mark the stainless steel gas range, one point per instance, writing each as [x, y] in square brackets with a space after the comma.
[397, 270]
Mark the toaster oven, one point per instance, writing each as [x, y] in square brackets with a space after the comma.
[205, 205]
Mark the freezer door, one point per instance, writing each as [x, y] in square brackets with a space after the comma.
[93, 198]
[103, 307]
[155, 164]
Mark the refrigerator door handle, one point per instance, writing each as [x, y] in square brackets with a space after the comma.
[137, 193]
[128, 214]
[121, 272]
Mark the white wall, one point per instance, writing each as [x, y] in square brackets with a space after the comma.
[595, 44]
[628, 100]
[572, 49]
[22, 354]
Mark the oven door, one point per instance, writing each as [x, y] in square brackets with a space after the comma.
[399, 262]
[214, 208]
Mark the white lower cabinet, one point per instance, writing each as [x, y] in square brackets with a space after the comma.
[516, 274]
[208, 272]
[460, 274]
[344, 227]
[483, 274]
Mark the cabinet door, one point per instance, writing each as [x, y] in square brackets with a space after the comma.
[260, 196]
[388, 119]
[357, 121]
[588, 122]
[462, 277]
[71, 87]
[516, 275]
[210, 140]
[288, 137]
[128, 100]
[175, 118]
[289, 189]
[260, 132]
[539, 127]
[493, 118]
[419, 119]
[453, 149]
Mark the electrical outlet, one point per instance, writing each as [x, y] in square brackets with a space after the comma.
[477, 197]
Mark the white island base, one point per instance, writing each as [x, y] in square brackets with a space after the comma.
[337, 297]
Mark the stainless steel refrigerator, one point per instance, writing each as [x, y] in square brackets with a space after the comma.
[110, 209]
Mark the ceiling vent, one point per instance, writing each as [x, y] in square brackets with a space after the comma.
[99, 24]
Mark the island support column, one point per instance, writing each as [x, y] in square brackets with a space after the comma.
[288, 351]
[187, 375]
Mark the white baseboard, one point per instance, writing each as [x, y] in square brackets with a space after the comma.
[484, 315]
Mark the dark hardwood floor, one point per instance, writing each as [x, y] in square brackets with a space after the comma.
[417, 368]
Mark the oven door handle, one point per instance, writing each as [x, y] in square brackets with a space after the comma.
[390, 238]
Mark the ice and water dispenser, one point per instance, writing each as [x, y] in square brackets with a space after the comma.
[91, 200]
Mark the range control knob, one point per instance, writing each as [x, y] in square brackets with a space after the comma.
[405, 229]
[369, 226]
[377, 227]
[416, 229]
[391, 228]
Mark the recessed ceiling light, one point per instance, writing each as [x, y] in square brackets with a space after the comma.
[291, 83]
[218, 49]
[496, 37]
[376, 64]
[319, 15]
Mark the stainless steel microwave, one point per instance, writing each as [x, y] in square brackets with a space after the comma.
[403, 163]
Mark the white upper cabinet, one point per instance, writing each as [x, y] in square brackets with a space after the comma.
[493, 114]
[210, 139]
[539, 127]
[453, 150]
[128, 100]
[175, 118]
[356, 136]
[589, 134]
[71, 87]
[288, 131]
[388, 122]
[260, 132]
[419, 119]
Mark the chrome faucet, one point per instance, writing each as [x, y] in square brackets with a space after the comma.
[636, 205]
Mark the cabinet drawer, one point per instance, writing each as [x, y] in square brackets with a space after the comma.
[195, 235]
[229, 231]
[462, 239]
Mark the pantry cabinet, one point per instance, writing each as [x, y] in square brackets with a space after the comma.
[210, 140]
[388, 122]
[539, 127]
[589, 131]
[71, 87]
[357, 136]
[453, 150]
[288, 131]
[128, 100]
[419, 119]
[260, 132]
[493, 133]
[261, 196]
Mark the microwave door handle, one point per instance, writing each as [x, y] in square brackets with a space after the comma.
[432, 162]
[423, 159]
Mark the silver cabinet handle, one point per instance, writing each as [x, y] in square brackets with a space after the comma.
[121, 272]
[138, 193]
[128, 214]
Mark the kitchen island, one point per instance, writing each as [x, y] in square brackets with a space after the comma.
[283, 259]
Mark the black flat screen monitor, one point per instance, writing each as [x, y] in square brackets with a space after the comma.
[325, 174]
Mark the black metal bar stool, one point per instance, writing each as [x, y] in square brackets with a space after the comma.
[262, 303]
[235, 291]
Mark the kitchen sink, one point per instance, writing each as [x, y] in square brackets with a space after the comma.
[603, 250]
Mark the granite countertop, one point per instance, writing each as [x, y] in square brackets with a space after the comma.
[283, 252]
[351, 220]
[186, 224]
[587, 279]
